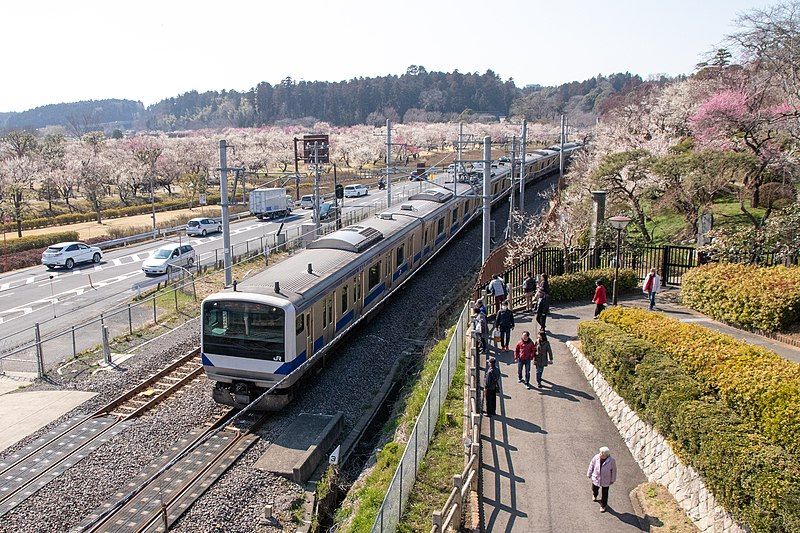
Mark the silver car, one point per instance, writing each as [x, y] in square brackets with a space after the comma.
[69, 254]
[168, 258]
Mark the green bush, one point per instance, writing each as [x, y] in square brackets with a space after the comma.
[581, 285]
[764, 298]
[755, 382]
[754, 479]
[33, 242]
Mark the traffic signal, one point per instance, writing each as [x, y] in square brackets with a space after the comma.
[339, 191]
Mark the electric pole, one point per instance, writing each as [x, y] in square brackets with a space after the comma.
[296, 173]
[511, 192]
[223, 200]
[561, 156]
[487, 195]
[522, 152]
[316, 186]
[388, 162]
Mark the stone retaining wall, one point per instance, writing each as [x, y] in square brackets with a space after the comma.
[657, 460]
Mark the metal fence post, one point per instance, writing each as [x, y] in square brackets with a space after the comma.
[155, 316]
[130, 320]
[74, 350]
[106, 346]
[39, 354]
[175, 293]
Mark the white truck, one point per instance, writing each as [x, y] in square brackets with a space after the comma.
[270, 203]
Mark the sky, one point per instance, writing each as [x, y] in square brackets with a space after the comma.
[60, 51]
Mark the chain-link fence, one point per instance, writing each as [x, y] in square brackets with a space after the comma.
[34, 350]
[396, 498]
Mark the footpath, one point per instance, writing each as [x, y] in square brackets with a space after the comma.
[537, 449]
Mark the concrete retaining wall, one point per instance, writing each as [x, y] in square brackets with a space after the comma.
[657, 460]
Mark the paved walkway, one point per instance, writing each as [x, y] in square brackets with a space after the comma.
[536, 451]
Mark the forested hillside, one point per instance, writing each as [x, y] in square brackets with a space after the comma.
[77, 117]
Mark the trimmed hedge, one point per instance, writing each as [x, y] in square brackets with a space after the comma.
[757, 481]
[757, 383]
[114, 212]
[581, 285]
[763, 298]
[33, 242]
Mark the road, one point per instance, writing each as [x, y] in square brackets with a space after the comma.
[61, 299]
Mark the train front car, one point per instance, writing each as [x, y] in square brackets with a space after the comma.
[247, 346]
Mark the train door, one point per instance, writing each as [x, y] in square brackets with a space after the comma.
[309, 333]
[358, 303]
[327, 318]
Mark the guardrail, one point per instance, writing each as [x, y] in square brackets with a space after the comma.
[449, 517]
[396, 498]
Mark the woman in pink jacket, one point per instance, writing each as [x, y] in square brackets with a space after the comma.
[603, 473]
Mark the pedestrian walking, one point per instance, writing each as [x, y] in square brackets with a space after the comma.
[498, 288]
[543, 356]
[505, 323]
[524, 352]
[600, 299]
[480, 329]
[651, 286]
[545, 283]
[480, 305]
[603, 473]
[542, 309]
[529, 288]
[491, 386]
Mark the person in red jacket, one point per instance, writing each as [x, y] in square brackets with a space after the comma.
[524, 352]
[599, 299]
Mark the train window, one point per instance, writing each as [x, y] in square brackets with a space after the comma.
[356, 290]
[343, 308]
[298, 325]
[455, 216]
[324, 314]
[425, 237]
[440, 226]
[330, 309]
[374, 276]
[401, 255]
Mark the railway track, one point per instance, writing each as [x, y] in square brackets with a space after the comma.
[163, 492]
[25, 472]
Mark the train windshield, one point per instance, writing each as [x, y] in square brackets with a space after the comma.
[243, 329]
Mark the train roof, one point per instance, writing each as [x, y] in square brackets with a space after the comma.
[336, 256]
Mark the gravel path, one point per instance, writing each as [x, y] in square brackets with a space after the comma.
[236, 502]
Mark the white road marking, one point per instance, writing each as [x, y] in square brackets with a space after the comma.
[7, 294]
[4, 287]
[47, 283]
[29, 280]
[117, 262]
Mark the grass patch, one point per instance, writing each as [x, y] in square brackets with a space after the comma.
[444, 459]
[669, 227]
[360, 507]
[662, 511]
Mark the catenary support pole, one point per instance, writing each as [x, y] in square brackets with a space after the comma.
[296, 173]
[226, 220]
[388, 162]
[561, 156]
[511, 191]
[487, 191]
[523, 167]
[316, 187]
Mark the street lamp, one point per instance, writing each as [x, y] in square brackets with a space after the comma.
[619, 223]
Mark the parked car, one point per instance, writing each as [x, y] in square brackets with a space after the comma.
[307, 201]
[69, 254]
[327, 211]
[355, 190]
[168, 258]
[203, 226]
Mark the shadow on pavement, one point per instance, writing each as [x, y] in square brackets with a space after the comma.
[560, 391]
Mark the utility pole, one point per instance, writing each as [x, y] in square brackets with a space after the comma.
[336, 198]
[296, 173]
[561, 156]
[457, 166]
[388, 162]
[316, 186]
[487, 195]
[153, 202]
[226, 221]
[511, 192]
[522, 151]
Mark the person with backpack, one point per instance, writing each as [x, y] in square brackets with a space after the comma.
[529, 288]
[600, 299]
[480, 329]
[491, 386]
[651, 286]
[543, 356]
[505, 323]
[498, 288]
[603, 473]
[524, 352]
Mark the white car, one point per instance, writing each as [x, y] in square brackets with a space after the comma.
[203, 226]
[307, 201]
[168, 258]
[69, 254]
[355, 190]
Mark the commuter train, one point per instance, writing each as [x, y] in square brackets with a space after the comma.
[258, 333]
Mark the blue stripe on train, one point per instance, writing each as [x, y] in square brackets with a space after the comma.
[400, 271]
[439, 239]
[205, 360]
[286, 368]
[347, 317]
[318, 343]
[374, 294]
[417, 256]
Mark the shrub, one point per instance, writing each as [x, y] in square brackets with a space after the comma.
[753, 381]
[32, 242]
[581, 285]
[764, 298]
[753, 478]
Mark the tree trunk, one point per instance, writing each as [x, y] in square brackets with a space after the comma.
[97, 212]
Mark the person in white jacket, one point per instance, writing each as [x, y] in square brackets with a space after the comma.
[651, 286]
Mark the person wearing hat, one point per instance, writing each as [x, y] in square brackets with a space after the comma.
[603, 473]
[491, 386]
[600, 298]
